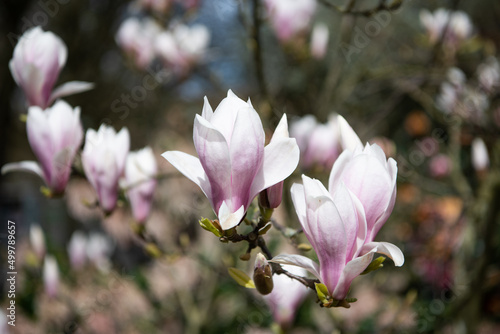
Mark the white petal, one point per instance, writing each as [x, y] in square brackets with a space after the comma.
[207, 111]
[26, 166]
[228, 219]
[299, 261]
[387, 249]
[70, 88]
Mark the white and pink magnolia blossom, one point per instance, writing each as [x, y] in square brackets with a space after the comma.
[77, 250]
[480, 157]
[182, 46]
[140, 182]
[440, 165]
[38, 58]
[54, 134]
[321, 144]
[290, 17]
[50, 276]
[103, 160]
[341, 223]
[99, 249]
[233, 164]
[37, 241]
[488, 74]
[456, 26]
[137, 38]
[319, 40]
[286, 297]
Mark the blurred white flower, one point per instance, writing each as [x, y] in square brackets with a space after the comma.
[136, 37]
[319, 40]
[77, 250]
[182, 46]
[489, 74]
[480, 158]
[99, 249]
[37, 240]
[51, 275]
[290, 17]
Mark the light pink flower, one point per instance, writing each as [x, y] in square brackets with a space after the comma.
[38, 58]
[37, 240]
[140, 182]
[286, 297]
[440, 165]
[103, 160]
[341, 223]
[290, 17]
[319, 40]
[136, 37]
[77, 249]
[55, 134]
[455, 24]
[51, 276]
[181, 47]
[480, 157]
[233, 165]
[160, 6]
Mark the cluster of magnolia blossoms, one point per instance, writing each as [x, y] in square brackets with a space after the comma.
[452, 27]
[234, 165]
[55, 132]
[342, 222]
[180, 47]
[290, 17]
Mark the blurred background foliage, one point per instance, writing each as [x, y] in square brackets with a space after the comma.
[445, 223]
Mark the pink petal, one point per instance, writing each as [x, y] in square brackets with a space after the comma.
[352, 270]
[387, 249]
[299, 261]
[70, 88]
[214, 156]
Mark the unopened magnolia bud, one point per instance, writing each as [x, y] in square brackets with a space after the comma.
[263, 275]
[37, 240]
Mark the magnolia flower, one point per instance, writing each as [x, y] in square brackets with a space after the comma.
[233, 165]
[440, 165]
[341, 223]
[103, 160]
[321, 144]
[140, 182]
[37, 240]
[99, 249]
[38, 58]
[136, 37]
[480, 159]
[182, 46]
[456, 26]
[290, 17]
[54, 134]
[489, 74]
[286, 297]
[319, 40]
[77, 249]
[50, 275]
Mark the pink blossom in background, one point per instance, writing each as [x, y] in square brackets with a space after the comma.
[321, 144]
[77, 250]
[37, 61]
[290, 17]
[103, 160]
[456, 25]
[319, 40]
[480, 157]
[341, 223]
[287, 296]
[139, 180]
[51, 276]
[137, 37]
[233, 164]
[54, 134]
[182, 46]
[99, 249]
[37, 241]
[488, 74]
[440, 165]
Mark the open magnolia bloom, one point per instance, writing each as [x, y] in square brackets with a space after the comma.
[38, 58]
[340, 223]
[233, 164]
[54, 134]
